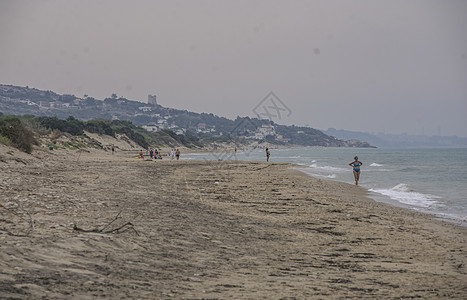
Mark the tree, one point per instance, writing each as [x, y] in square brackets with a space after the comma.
[114, 96]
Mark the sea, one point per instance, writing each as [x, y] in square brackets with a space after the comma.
[426, 180]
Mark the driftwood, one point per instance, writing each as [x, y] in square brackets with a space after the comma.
[31, 221]
[81, 151]
[103, 229]
[25, 212]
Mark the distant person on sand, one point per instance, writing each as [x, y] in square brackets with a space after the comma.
[141, 154]
[177, 154]
[113, 149]
[151, 153]
[267, 154]
[172, 154]
[356, 169]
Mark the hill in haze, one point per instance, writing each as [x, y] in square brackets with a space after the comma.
[400, 140]
[153, 117]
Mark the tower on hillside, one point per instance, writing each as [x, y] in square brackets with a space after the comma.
[152, 99]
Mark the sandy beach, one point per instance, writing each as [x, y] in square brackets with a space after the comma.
[87, 225]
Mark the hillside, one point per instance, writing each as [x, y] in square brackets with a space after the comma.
[208, 128]
[30, 133]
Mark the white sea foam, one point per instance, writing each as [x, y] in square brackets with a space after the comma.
[375, 165]
[332, 176]
[403, 194]
[327, 168]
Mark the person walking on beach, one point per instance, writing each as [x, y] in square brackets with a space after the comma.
[113, 149]
[356, 169]
[267, 154]
[177, 154]
[151, 153]
[172, 154]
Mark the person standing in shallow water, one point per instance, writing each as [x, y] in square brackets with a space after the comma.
[356, 169]
[268, 154]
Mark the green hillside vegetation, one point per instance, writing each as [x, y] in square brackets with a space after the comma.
[20, 132]
[140, 136]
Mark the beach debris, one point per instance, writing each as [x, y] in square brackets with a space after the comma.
[103, 230]
[31, 221]
[24, 212]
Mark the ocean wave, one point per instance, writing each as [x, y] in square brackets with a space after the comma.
[328, 168]
[316, 175]
[375, 165]
[404, 194]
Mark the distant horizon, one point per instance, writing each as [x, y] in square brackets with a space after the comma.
[390, 133]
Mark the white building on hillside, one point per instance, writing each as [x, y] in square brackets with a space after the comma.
[264, 131]
[145, 108]
[150, 128]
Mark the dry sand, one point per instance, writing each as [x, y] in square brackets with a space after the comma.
[196, 230]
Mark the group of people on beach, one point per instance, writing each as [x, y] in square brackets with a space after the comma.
[175, 153]
[157, 154]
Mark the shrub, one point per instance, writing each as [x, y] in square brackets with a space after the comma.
[99, 126]
[4, 140]
[71, 125]
[19, 136]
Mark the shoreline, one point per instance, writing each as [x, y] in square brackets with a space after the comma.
[392, 202]
[220, 229]
[441, 214]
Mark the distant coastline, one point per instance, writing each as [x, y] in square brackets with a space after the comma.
[206, 128]
[383, 140]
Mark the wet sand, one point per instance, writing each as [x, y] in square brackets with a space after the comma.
[216, 230]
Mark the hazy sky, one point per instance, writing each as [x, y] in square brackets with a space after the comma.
[392, 66]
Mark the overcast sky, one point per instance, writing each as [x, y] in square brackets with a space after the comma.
[375, 66]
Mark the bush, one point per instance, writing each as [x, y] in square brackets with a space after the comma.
[14, 130]
[71, 125]
[4, 140]
[99, 126]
